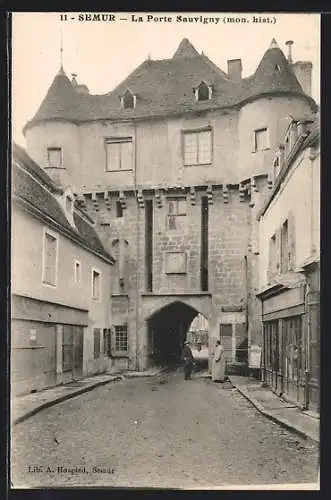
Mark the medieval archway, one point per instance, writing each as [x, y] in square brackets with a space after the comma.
[168, 329]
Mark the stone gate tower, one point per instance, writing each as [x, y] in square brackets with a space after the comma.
[172, 165]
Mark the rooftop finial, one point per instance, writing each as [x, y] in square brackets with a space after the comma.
[274, 44]
[61, 48]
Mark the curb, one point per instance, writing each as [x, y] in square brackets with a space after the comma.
[64, 397]
[78, 392]
[281, 422]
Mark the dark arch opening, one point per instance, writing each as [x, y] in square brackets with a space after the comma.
[203, 92]
[167, 331]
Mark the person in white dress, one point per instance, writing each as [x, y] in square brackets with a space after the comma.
[218, 368]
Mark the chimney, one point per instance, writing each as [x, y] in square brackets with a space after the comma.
[235, 69]
[289, 44]
[303, 71]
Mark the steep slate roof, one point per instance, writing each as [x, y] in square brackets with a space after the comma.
[165, 87]
[26, 187]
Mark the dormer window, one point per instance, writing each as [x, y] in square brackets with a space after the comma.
[128, 100]
[203, 92]
[277, 68]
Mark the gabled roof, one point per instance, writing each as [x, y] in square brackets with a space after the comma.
[185, 49]
[27, 188]
[165, 87]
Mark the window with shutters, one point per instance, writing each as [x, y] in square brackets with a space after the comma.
[107, 342]
[119, 154]
[284, 249]
[54, 158]
[97, 342]
[272, 256]
[50, 257]
[197, 147]
[261, 139]
[177, 211]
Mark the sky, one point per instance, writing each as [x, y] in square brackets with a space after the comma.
[103, 53]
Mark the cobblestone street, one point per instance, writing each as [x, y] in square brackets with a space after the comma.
[158, 432]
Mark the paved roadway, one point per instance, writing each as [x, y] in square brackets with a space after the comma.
[161, 432]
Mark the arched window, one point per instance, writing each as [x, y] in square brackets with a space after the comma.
[203, 92]
[128, 100]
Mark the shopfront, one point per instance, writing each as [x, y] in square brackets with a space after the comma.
[285, 346]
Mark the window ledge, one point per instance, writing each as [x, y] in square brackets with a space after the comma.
[120, 354]
[30, 347]
[261, 150]
[121, 170]
[55, 168]
[209, 164]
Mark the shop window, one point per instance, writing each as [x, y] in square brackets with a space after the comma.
[176, 216]
[197, 147]
[96, 349]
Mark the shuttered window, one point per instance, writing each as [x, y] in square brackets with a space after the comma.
[50, 259]
[97, 341]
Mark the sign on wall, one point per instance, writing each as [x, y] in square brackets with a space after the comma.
[175, 262]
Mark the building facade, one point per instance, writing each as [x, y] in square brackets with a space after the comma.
[172, 165]
[289, 230]
[61, 284]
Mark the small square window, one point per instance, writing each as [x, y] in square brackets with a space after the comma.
[261, 139]
[54, 157]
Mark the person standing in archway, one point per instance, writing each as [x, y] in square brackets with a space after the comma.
[188, 360]
[218, 369]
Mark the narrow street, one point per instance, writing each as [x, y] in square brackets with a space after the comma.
[157, 432]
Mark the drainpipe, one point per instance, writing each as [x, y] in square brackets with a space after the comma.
[138, 364]
[246, 306]
[307, 357]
